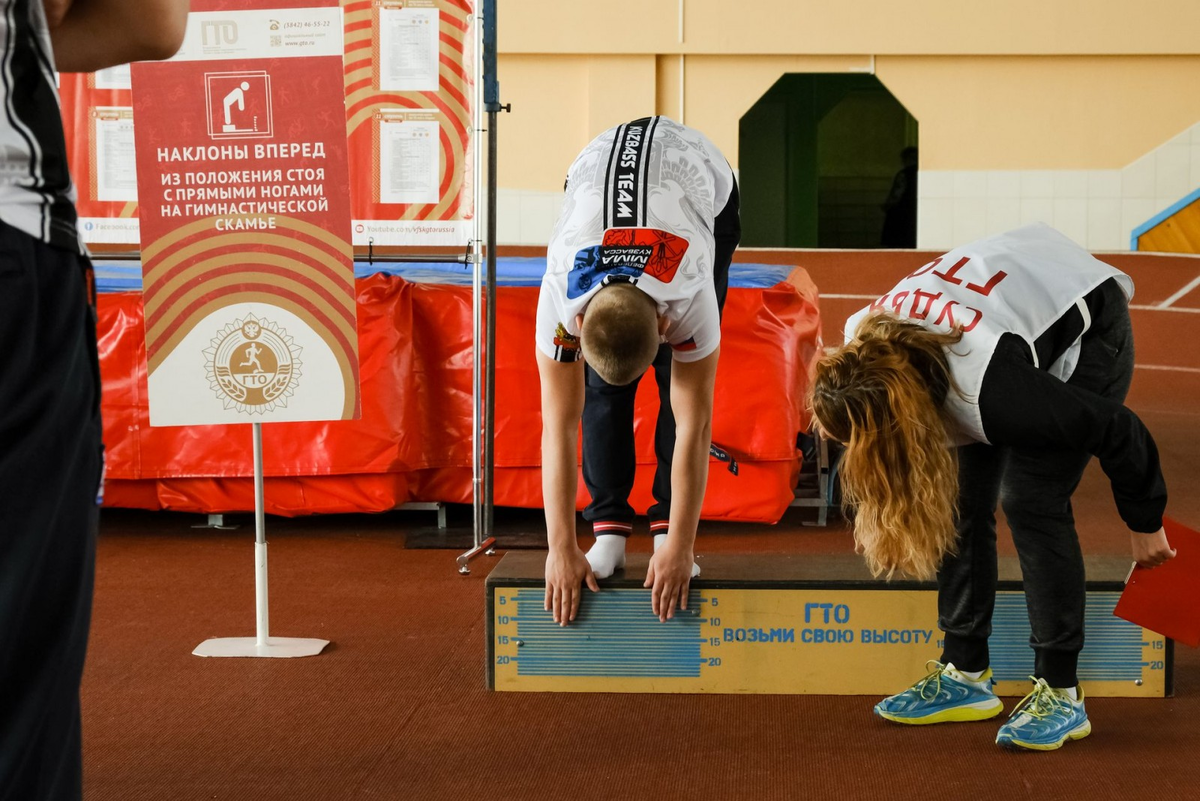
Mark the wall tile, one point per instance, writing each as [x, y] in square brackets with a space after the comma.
[1070, 218]
[1037, 184]
[935, 223]
[1003, 214]
[1173, 172]
[1104, 184]
[970, 220]
[1070, 183]
[1183, 138]
[1003, 183]
[508, 217]
[1139, 178]
[970, 183]
[1037, 210]
[539, 211]
[1104, 225]
[935, 183]
[1134, 212]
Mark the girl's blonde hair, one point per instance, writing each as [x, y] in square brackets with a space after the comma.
[882, 394]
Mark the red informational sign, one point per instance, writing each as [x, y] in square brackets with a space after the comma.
[245, 219]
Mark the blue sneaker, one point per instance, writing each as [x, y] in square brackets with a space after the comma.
[943, 696]
[1045, 719]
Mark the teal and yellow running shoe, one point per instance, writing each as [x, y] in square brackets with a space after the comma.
[1045, 719]
[943, 696]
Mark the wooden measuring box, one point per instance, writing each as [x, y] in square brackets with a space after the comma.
[788, 624]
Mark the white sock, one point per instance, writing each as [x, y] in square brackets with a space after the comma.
[973, 675]
[607, 555]
[659, 539]
[1070, 691]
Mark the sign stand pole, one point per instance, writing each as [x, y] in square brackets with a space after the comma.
[484, 542]
[262, 644]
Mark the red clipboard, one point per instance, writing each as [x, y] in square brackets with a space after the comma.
[1166, 599]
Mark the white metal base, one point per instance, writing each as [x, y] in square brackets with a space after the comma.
[275, 647]
[216, 521]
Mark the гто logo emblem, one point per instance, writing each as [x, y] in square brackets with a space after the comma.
[253, 365]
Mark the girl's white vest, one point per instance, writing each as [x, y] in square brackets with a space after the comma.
[1018, 282]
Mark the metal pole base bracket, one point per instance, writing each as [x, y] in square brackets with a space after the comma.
[488, 547]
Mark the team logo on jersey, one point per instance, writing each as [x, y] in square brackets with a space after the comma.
[657, 253]
[253, 365]
[626, 254]
[591, 271]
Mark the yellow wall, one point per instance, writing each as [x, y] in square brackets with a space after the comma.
[975, 113]
[570, 69]
[1087, 112]
[851, 26]
[560, 102]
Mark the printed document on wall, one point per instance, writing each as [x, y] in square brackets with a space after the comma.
[409, 161]
[113, 78]
[115, 164]
[408, 49]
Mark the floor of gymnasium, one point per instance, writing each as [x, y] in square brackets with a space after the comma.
[397, 706]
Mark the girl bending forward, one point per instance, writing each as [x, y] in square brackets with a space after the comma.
[993, 373]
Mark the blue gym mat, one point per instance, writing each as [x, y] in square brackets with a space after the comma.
[126, 276]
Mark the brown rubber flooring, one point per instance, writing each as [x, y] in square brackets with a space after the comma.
[397, 707]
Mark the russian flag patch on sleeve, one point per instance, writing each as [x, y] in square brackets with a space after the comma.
[566, 347]
[687, 344]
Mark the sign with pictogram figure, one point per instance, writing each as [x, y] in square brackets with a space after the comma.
[244, 206]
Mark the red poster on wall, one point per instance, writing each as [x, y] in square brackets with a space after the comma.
[409, 87]
[245, 219]
[97, 113]
[409, 98]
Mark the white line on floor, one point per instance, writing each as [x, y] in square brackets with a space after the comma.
[1167, 367]
[1144, 307]
[1190, 286]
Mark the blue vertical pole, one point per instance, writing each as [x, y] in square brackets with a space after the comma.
[491, 85]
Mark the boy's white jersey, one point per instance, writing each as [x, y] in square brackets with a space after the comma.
[640, 206]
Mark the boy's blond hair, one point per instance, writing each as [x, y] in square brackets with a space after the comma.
[619, 336]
